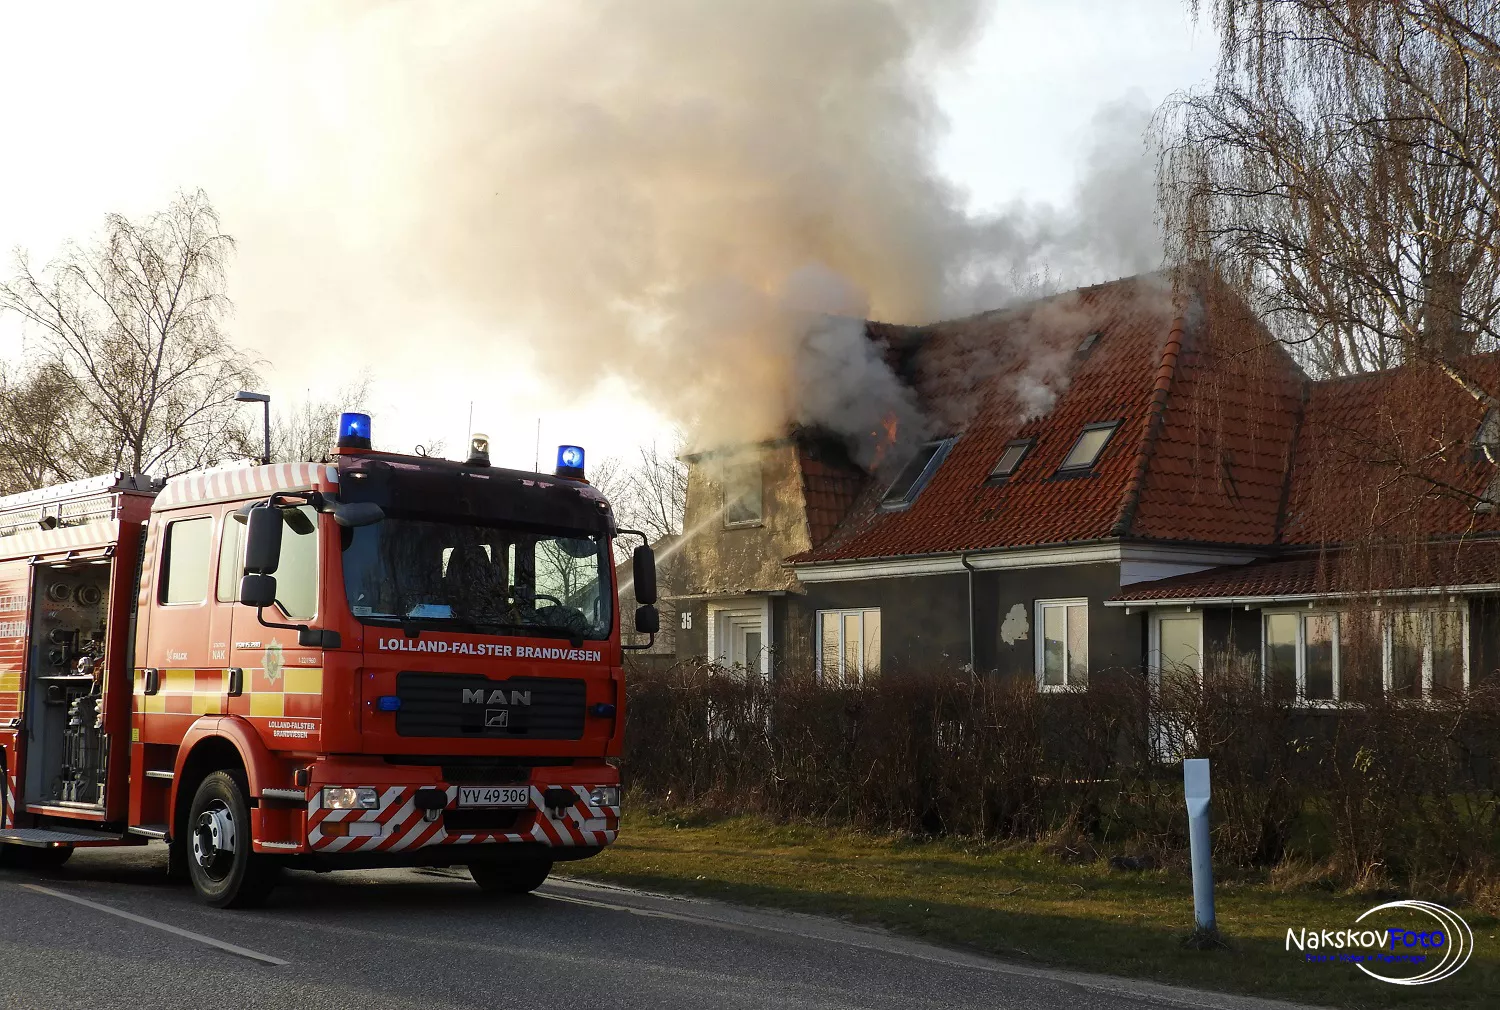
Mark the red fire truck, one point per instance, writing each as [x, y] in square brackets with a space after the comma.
[378, 660]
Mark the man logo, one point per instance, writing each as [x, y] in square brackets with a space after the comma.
[496, 718]
[478, 696]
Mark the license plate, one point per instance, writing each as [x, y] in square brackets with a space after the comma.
[494, 796]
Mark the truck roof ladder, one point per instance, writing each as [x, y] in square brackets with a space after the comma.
[71, 504]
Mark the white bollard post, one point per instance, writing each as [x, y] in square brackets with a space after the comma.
[1195, 786]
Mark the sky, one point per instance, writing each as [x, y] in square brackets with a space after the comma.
[114, 108]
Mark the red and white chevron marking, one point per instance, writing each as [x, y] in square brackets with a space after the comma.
[103, 531]
[239, 481]
[9, 820]
[397, 824]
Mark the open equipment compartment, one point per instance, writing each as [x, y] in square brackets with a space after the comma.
[68, 750]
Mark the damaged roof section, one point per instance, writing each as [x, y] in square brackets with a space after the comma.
[1177, 428]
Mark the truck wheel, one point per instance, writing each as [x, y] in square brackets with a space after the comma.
[497, 877]
[225, 871]
[26, 857]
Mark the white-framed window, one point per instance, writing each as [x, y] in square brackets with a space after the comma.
[1088, 447]
[1300, 656]
[1317, 657]
[848, 646]
[1426, 652]
[1176, 647]
[744, 492]
[1062, 645]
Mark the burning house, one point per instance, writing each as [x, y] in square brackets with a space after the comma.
[1114, 479]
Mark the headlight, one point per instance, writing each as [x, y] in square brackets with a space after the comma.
[605, 796]
[350, 798]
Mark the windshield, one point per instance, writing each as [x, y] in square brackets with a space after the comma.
[478, 578]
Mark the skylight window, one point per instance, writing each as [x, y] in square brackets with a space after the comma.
[1085, 452]
[1010, 459]
[1486, 443]
[915, 475]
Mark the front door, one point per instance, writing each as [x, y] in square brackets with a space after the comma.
[741, 638]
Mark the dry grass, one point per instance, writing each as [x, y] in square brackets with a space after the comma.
[1021, 902]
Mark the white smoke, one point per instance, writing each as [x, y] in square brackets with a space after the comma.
[697, 197]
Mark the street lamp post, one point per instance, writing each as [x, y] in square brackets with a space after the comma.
[264, 399]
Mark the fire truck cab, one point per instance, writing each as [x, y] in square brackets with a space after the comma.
[377, 660]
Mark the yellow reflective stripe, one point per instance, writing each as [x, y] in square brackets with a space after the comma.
[205, 703]
[153, 703]
[302, 681]
[179, 681]
[262, 703]
[10, 682]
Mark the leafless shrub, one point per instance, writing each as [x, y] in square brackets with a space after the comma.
[1382, 791]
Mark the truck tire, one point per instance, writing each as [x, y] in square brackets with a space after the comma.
[27, 857]
[497, 877]
[221, 861]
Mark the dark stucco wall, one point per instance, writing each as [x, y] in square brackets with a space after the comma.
[692, 642]
[924, 619]
[1116, 639]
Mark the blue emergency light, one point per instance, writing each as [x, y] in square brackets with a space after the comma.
[570, 461]
[388, 703]
[354, 431]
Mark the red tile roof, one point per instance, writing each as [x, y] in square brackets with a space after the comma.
[829, 488]
[990, 378]
[1221, 438]
[1444, 565]
[1218, 470]
[1362, 439]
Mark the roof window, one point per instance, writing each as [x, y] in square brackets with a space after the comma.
[1485, 446]
[1088, 342]
[915, 475]
[1086, 451]
[1009, 460]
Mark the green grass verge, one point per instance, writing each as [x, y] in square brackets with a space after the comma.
[1021, 903]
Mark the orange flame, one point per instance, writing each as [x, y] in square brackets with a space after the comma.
[891, 425]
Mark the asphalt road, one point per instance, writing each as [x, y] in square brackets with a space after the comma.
[431, 939]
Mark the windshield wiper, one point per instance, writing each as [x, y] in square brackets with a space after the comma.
[539, 631]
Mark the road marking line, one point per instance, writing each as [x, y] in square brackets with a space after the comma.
[1190, 1000]
[652, 913]
[200, 938]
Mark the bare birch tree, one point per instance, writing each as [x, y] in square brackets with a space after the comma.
[1343, 171]
[656, 492]
[128, 342]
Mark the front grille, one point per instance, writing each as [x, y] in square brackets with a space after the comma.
[474, 706]
[458, 821]
[486, 774]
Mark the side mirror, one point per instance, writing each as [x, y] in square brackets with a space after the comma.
[258, 590]
[647, 620]
[263, 540]
[643, 563]
[357, 513]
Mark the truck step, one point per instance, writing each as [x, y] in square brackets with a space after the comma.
[44, 837]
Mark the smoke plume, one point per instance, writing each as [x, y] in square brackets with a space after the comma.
[702, 198]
